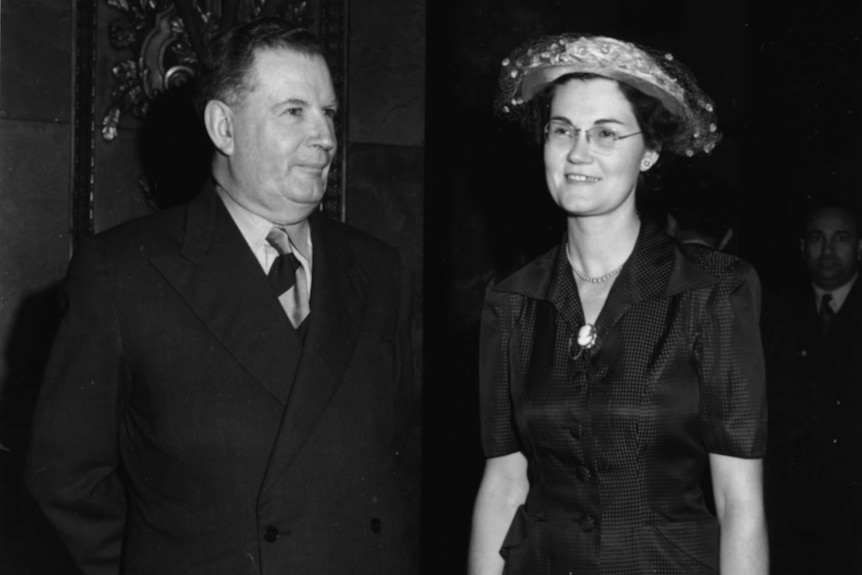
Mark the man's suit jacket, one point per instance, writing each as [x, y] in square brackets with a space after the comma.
[815, 394]
[184, 428]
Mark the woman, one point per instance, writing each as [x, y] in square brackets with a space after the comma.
[617, 370]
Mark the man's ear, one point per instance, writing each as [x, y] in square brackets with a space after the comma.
[218, 119]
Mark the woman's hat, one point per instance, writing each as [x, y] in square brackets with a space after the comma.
[534, 65]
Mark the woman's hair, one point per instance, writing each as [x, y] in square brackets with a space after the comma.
[658, 125]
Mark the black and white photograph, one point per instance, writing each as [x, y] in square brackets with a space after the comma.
[372, 287]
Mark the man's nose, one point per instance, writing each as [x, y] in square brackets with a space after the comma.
[323, 133]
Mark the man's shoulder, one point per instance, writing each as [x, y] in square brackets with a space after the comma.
[143, 233]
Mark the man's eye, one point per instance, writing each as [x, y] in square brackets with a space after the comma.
[294, 111]
[330, 112]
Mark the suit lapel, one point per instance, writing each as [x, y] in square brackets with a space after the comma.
[221, 280]
[338, 300]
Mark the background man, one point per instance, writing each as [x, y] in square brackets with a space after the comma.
[229, 390]
[813, 345]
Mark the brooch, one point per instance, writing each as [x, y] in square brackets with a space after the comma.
[587, 337]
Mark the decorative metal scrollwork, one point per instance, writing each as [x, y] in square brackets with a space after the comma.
[167, 39]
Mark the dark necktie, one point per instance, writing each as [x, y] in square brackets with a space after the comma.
[287, 278]
[827, 314]
[282, 274]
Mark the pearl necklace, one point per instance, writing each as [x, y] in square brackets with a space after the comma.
[586, 278]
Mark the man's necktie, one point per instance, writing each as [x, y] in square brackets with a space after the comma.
[287, 278]
[827, 314]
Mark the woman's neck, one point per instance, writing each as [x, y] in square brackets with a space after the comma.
[599, 244]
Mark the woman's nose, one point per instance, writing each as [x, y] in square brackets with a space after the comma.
[580, 150]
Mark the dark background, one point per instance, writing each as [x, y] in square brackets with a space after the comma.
[785, 83]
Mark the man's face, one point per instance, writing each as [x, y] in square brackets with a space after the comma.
[283, 136]
[830, 247]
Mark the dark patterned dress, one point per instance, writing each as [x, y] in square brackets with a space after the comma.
[618, 436]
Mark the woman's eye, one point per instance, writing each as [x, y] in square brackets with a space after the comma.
[606, 134]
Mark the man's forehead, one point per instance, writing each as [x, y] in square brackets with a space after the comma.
[284, 68]
[831, 220]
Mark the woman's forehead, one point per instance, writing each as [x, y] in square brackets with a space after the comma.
[597, 97]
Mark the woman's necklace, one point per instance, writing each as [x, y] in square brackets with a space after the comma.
[586, 278]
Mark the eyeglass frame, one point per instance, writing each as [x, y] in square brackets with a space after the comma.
[577, 134]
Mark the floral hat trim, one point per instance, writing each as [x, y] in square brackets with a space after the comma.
[533, 66]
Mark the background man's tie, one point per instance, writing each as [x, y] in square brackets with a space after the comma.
[287, 278]
[827, 314]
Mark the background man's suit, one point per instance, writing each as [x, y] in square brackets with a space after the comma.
[813, 467]
[242, 450]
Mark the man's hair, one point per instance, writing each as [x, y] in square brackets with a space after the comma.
[816, 205]
[230, 58]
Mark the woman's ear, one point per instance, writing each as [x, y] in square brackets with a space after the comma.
[218, 119]
[649, 159]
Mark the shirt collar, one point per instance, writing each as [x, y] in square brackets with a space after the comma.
[254, 229]
[838, 294]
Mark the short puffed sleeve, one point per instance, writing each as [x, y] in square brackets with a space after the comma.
[729, 354]
[498, 365]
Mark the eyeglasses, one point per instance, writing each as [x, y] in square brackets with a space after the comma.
[601, 139]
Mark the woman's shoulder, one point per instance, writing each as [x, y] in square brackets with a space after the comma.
[528, 278]
[724, 266]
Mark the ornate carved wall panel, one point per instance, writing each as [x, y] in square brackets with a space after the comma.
[136, 61]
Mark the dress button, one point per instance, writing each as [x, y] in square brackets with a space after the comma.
[270, 534]
[576, 431]
[584, 473]
[376, 525]
[587, 523]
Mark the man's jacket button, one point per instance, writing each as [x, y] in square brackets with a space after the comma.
[376, 525]
[270, 534]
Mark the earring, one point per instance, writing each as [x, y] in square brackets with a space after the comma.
[645, 164]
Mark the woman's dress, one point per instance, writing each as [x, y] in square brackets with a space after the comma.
[617, 436]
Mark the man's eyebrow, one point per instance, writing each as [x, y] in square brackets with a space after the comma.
[293, 102]
[305, 104]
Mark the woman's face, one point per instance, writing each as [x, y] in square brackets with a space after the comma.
[583, 179]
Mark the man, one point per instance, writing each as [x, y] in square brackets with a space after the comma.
[813, 345]
[199, 416]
